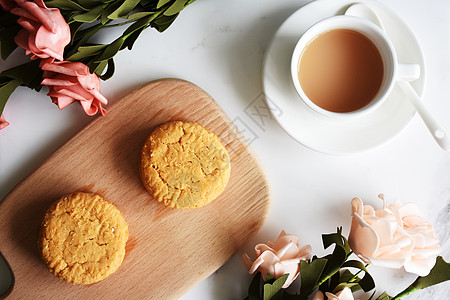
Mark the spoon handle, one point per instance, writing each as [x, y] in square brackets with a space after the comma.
[433, 126]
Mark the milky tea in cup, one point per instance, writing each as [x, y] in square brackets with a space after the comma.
[345, 65]
[341, 70]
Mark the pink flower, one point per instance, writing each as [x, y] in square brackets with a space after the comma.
[345, 294]
[45, 33]
[394, 236]
[279, 258]
[71, 81]
[3, 122]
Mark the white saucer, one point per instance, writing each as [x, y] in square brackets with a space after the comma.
[329, 135]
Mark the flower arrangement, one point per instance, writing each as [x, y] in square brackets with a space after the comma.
[395, 236]
[57, 35]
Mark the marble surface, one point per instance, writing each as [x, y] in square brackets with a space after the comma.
[220, 45]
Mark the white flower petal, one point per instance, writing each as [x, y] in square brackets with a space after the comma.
[362, 238]
[394, 264]
[394, 236]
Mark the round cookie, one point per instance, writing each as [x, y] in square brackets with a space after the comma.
[82, 238]
[184, 165]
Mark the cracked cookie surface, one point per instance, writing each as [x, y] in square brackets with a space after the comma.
[82, 238]
[184, 165]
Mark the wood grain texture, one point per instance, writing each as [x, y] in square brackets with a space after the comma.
[169, 251]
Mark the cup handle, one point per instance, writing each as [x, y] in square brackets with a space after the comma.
[408, 72]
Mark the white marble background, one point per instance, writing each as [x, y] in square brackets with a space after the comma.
[219, 45]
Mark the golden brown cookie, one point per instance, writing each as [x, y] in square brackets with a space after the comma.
[184, 165]
[82, 238]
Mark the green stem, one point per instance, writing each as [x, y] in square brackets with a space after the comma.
[348, 255]
[356, 275]
[406, 292]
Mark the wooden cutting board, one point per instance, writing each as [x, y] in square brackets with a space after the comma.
[169, 251]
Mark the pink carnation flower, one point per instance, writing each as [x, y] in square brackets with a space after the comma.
[3, 122]
[45, 33]
[71, 81]
[279, 258]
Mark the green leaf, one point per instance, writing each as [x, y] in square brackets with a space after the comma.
[371, 296]
[110, 50]
[138, 25]
[162, 3]
[81, 39]
[334, 281]
[334, 263]
[109, 72]
[65, 5]
[8, 45]
[91, 3]
[310, 273]
[343, 285]
[129, 42]
[89, 17]
[139, 15]
[336, 238]
[87, 51]
[149, 3]
[384, 296]
[175, 8]
[86, 33]
[109, 10]
[255, 290]
[335, 260]
[162, 23]
[346, 275]
[438, 274]
[100, 67]
[269, 278]
[126, 7]
[342, 279]
[35, 83]
[5, 92]
[25, 73]
[270, 290]
[74, 29]
[367, 283]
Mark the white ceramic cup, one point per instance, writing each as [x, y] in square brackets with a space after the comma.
[393, 70]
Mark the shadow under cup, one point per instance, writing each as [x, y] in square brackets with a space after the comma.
[374, 35]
